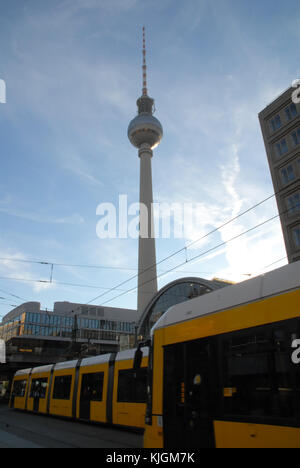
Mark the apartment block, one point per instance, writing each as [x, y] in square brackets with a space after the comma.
[280, 125]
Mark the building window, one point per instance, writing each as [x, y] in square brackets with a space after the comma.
[275, 123]
[33, 318]
[291, 112]
[66, 332]
[296, 236]
[287, 174]
[296, 137]
[281, 148]
[293, 203]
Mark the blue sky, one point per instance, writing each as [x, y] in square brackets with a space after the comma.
[73, 73]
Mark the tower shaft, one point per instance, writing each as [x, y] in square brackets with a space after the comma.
[145, 133]
[147, 274]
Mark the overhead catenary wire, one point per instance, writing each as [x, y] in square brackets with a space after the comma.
[9, 278]
[108, 267]
[7, 304]
[52, 263]
[117, 287]
[200, 255]
[13, 295]
[190, 244]
[123, 292]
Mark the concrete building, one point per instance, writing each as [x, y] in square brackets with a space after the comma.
[36, 336]
[280, 125]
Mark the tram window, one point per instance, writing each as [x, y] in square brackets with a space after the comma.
[259, 376]
[39, 388]
[19, 388]
[62, 387]
[132, 386]
[92, 387]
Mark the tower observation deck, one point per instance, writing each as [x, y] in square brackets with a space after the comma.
[145, 133]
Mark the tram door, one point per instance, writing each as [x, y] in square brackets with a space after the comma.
[91, 391]
[36, 403]
[188, 395]
[85, 397]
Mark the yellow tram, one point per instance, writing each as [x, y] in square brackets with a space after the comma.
[104, 389]
[224, 368]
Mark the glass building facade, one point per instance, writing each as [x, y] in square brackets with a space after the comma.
[49, 325]
[39, 334]
[174, 293]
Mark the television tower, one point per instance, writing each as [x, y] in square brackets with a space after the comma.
[145, 133]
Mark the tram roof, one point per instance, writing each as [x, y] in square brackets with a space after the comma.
[42, 369]
[92, 361]
[23, 372]
[66, 365]
[276, 282]
[130, 353]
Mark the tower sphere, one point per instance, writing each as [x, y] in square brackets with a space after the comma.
[145, 128]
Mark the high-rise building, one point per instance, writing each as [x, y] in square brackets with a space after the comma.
[145, 133]
[280, 125]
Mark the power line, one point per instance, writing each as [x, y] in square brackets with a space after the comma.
[108, 267]
[273, 263]
[13, 295]
[8, 278]
[8, 305]
[201, 254]
[190, 244]
[116, 288]
[49, 263]
[52, 264]
[24, 279]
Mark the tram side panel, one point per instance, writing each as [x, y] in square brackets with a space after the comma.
[100, 389]
[93, 389]
[62, 389]
[251, 386]
[38, 392]
[20, 387]
[153, 436]
[129, 390]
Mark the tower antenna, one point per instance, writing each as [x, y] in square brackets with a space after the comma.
[144, 64]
